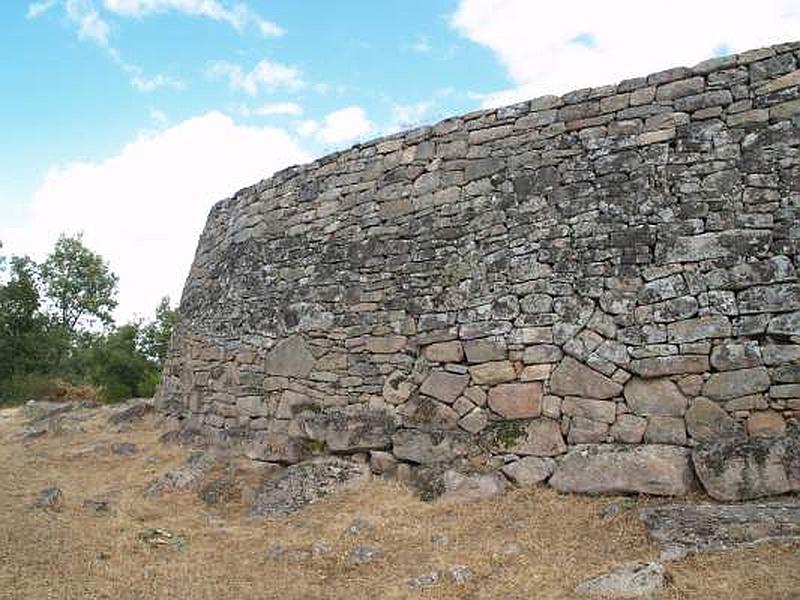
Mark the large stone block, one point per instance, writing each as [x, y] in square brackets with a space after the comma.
[444, 386]
[735, 469]
[669, 365]
[492, 373]
[655, 397]
[289, 358]
[572, 378]
[732, 384]
[430, 447]
[538, 437]
[613, 469]
[706, 420]
[516, 400]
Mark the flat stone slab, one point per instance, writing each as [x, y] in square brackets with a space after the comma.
[302, 484]
[660, 470]
[681, 529]
[631, 580]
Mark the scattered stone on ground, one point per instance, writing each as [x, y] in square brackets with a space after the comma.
[185, 436]
[303, 483]
[357, 526]
[459, 574]
[734, 469]
[361, 555]
[34, 410]
[659, 470]
[133, 410]
[158, 537]
[278, 551]
[423, 581]
[685, 528]
[124, 448]
[613, 510]
[185, 477]
[631, 580]
[99, 506]
[51, 498]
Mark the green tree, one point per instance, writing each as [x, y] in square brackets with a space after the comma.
[79, 285]
[156, 334]
[116, 363]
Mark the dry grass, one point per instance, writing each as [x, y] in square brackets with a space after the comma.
[531, 543]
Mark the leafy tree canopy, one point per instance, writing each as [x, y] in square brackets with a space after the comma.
[79, 284]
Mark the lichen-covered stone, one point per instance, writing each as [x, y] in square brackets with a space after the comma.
[735, 469]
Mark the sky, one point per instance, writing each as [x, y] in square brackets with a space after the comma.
[126, 120]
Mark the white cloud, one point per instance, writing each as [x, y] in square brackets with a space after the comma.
[266, 75]
[345, 125]
[91, 25]
[307, 128]
[37, 9]
[406, 116]
[559, 46]
[291, 109]
[144, 208]
[237, 15]
[150, 84]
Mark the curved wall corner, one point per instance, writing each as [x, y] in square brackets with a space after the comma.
[616, 266]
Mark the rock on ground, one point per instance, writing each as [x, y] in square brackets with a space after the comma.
[631, 580]
[303, 483]
[735, 469]
[681, 529]
[132, 411]
[654, 469]
[51, 498]
[185, 477]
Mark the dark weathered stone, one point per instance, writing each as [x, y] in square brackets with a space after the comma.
[734, 469]
[687, 528]
[304, 483]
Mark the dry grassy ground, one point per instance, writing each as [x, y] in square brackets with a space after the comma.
[531, 543]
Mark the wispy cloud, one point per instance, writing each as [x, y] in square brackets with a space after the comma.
[37, 9]
[91, 26]
[266, 76]
[291, 109]
[151, 84]
[238, 15]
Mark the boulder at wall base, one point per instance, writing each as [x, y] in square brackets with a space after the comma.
[735, 469]
[343, 431]
[683, 528]
[659, 470]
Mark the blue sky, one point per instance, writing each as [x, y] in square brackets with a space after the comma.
[128, 119]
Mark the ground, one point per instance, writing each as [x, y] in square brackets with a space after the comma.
[529, 543]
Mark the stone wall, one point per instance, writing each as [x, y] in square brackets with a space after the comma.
[614, 266]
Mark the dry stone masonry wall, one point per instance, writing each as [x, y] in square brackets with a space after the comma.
[592, 283]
